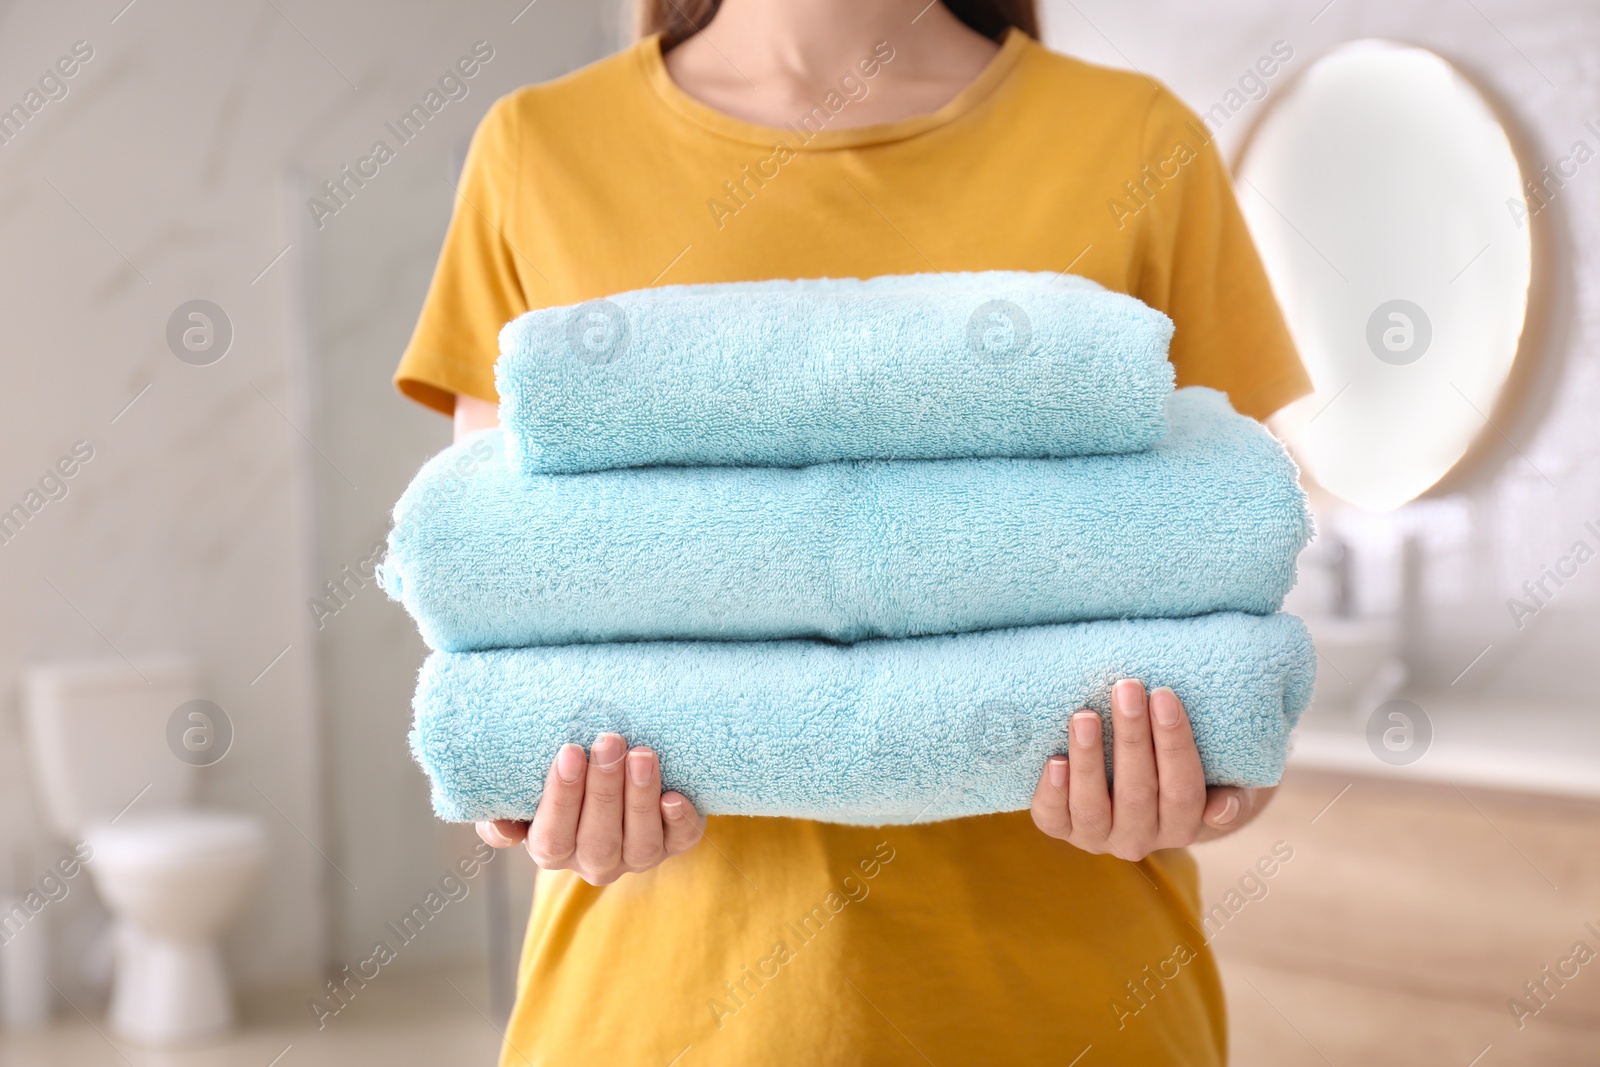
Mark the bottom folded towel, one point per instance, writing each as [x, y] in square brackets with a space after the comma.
[881, 731]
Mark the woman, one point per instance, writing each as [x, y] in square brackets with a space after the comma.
[753, 140]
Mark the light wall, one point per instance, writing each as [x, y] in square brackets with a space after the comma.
[205, 520]
[1528, 504]
[365, 280]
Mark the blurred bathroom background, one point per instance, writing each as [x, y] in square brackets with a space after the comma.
[210, 362]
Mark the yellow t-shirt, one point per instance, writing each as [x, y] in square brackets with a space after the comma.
[776, 941]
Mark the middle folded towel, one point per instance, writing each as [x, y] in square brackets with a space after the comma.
[1209, 519]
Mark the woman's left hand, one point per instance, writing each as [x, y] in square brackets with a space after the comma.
[1158, 796]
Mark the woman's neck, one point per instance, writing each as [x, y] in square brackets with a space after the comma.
[770, 61]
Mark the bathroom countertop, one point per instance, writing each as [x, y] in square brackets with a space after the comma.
[1500, 744]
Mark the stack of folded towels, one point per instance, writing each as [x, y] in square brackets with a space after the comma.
[846, 550]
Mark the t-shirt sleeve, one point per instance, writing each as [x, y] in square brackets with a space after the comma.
[1199, 265]
[476, 288]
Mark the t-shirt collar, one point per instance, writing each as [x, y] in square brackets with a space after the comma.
[799, 137]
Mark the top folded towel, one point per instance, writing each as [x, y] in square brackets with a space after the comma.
[793, 373]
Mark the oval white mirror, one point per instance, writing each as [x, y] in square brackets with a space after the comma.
[1389, 209]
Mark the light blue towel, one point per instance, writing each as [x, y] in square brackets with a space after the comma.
[1210, 519]
[791, 373]
[892, 731]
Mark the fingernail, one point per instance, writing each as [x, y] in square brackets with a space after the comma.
[639, 761]
[569, 763]
[607, 750]
[1086, 727]
[1164, 706]
[491, 833]
[1126, 697]
[1058, 771]
[673, 807]
[1230, 808]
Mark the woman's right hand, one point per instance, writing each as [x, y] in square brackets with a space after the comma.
[602, 814]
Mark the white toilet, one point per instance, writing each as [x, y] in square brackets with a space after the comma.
[172, 875]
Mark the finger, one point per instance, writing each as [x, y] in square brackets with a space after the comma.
[1228, 808]
[553, 833]
[1224, 805]
[1134, 789]
[1181, 778]
[1089, 799]
[503, 833]
[682, 825]
[1049, 808]
[642, 843]
[599, 851]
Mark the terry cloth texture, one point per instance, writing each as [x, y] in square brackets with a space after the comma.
[1209, 519]
[882, 731]
[792, 373]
